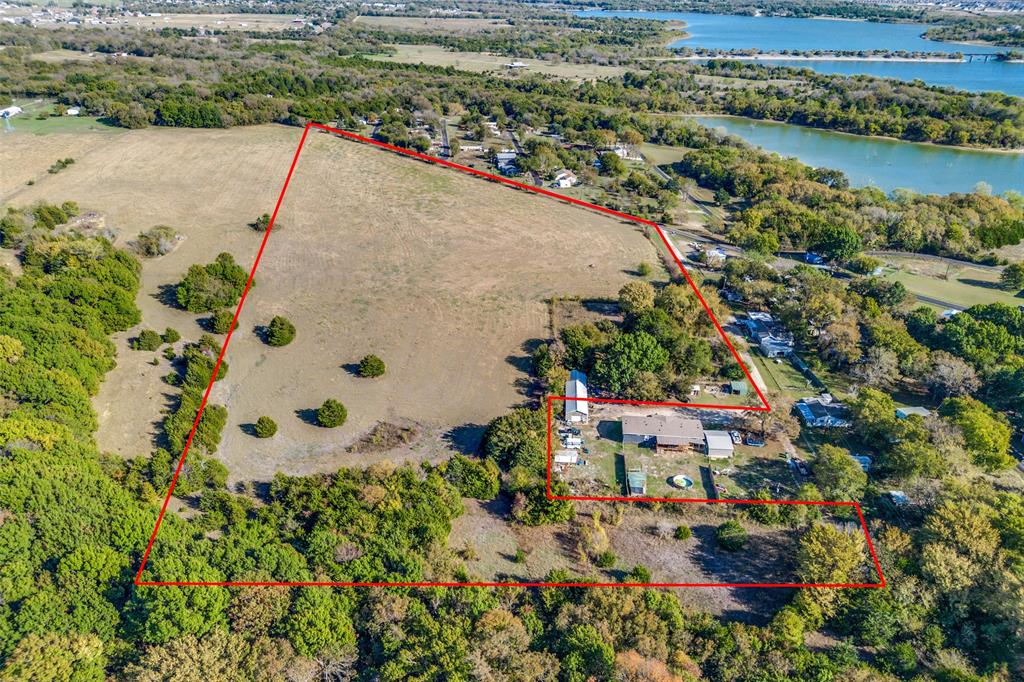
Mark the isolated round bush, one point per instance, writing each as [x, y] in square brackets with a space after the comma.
[683, 533]
[332, 413]
[371, 366]
[170, 335]
[280, 331]
[731, 536]
[221, 321]
[265, 427]
[146, 340]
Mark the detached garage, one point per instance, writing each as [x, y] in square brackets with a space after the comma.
[718, 444]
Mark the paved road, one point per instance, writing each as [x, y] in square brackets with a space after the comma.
[519, 150]
[445, 147]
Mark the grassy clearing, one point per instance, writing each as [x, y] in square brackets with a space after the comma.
[447, 25]
[482, 61]
[217, 22]
[965, 287]
[660, 154]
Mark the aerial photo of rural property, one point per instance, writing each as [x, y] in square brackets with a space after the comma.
[628, 340]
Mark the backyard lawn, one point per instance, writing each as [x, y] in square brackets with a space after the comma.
[602, 470]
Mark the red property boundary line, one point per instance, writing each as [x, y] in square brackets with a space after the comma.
[764, 407]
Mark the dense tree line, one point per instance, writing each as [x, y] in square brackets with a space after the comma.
[232, 82]
[792, 206]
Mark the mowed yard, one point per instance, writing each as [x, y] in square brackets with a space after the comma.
[443, 275]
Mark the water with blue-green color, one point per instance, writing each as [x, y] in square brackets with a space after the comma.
[883, 163]
[775, 34]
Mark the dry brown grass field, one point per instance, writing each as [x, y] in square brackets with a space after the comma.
[444, 276]
[449, 25]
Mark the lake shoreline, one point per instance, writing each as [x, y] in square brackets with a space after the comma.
[983, 150]
[776, 56]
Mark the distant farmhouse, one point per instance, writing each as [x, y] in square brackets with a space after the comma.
[770, 336]
[577, 409]
[662, 430]
[823, 412]
[565, 178]
[506, 162]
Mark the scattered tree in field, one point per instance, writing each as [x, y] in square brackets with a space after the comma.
[146, 340]
[683, 533]
[644, 269]
[262, 223]
[1012, 277]
[331, 414]
[220, 321]
[280, 331]
[731, 536]
[371, 366]
[636, 297]
[170, 335]
[265, 427]
[208, 287]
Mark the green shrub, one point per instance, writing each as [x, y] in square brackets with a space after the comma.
[170, 335]
[208, 287]
[221, 321]
[265, 427]
[644, 269]
[605, 559]
[146, 340]
[280, 331]
[731, 536]
[520, 557]
[683, 533]
[262, 223]
[331, 414]
[474, 478]
[371, 366]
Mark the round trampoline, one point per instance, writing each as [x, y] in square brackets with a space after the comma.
[682, 482]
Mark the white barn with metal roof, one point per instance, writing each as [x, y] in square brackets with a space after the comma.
[577, 409]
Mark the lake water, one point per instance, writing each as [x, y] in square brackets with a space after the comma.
[773, 34]
[973, 76]
[886, 164]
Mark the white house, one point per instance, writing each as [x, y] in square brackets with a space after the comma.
[73, 111]
[577, 409]
[718, 444]
[10, 112]
[516, 65]
[566, 178]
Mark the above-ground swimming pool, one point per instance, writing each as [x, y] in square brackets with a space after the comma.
[681, 481]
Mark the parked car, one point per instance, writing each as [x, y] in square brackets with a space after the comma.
[736, 437]
[802, 467]
[755, 442]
